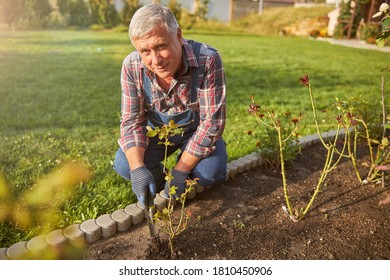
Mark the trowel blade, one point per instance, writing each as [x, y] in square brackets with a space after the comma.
[153, 228]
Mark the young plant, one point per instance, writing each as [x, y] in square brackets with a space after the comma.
[168, 224]
[353, 125]
[272, 128]
[285, 135]
[362, 127]
[333, 155]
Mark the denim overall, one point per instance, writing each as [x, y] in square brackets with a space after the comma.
[209, 170]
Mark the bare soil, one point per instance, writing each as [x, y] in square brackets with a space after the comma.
[243, 219]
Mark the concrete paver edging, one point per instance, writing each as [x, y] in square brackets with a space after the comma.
[121, 220]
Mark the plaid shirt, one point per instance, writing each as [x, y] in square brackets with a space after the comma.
[211, 96]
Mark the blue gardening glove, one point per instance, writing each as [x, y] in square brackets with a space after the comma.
[143, 185]
[178, 181]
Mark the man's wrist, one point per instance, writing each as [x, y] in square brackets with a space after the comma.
[135, 157]
[186, 162]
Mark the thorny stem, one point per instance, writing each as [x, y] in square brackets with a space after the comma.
[283, 172]
[324, 173]
[315, 114]
[383, 119]
[368, 140]
[165, 155]
[333, 148]
[351, 154]
[383, 107]
[179, 225]
[171, 246]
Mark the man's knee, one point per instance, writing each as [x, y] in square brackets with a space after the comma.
[211, 175]
[121, 165]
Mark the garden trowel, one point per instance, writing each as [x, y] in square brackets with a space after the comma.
[150, 211]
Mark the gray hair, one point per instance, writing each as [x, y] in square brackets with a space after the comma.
[147, 18]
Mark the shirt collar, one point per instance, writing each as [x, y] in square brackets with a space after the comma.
[189, 58]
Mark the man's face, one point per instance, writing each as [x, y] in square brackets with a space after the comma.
[161, 52]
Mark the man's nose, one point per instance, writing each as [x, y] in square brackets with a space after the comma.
[156, 58]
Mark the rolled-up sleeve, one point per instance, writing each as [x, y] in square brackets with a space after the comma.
[132, 131]
[212, 108]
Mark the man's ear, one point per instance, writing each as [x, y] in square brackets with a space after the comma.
[180, 36]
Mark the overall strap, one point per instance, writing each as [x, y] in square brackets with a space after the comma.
[195, 72]
[147, 88]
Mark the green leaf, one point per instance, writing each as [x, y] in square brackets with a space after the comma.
[385, 141]
[374, 141]
[172, 190]
[380, 38]
[151, 133]
[385, 23]
[380, 42]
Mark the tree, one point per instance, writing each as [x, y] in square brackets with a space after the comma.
[103, 12]
[175, 8]
[78, 13]
[64, 6]
[202, 9]
[130, 7]
[35, 13]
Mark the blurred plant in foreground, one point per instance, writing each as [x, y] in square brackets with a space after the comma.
[37, 206]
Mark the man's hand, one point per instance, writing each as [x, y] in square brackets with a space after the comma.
[178, 181]
[143, 185]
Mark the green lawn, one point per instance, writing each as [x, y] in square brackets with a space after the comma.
[60, 100]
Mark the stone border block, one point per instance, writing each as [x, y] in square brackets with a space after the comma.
[247, 163]
[56, 238]
[330, 135]
[37, 245]
[122, 219]
[233, 170]
[137, 214]
[17, 251]
[173, 202]
[191, 194]
[160, 202]
[227, 176]
[240, 165]
[313, 139]
[3, 255]
[304, 142]
[108, 225]
[93, 232]
[254, 160]
[200, 188]
[259, 156]
[74, 233]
